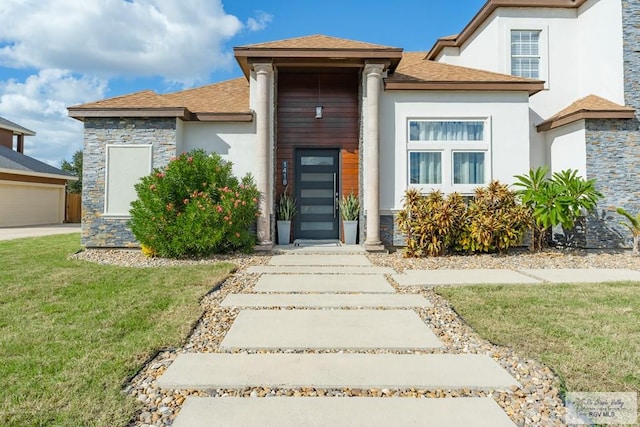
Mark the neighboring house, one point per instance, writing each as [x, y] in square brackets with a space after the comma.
[31, 192]
[526, 83]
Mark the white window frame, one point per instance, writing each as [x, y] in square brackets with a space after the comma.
[143, 172]
[543, 46]
[523, 56]
[447, 148]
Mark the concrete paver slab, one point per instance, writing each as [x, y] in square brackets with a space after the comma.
[329, 329]
[326, 260]
[335, 370]
[461, 277]
[584, 275]
[323, 283]
[337, 411]
[326, 300]
[294, 269]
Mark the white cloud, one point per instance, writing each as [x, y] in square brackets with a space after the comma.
[180, 41]
[40, 104]
[260, 22]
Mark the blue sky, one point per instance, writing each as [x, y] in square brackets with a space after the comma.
[56, 53]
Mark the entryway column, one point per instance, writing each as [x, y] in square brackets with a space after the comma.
[263, 133]
[373, 73]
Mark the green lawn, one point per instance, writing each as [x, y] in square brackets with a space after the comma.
[73, 332]
[588, 333]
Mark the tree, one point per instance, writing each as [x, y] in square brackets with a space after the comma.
[74, 168]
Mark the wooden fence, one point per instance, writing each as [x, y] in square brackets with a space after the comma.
[73, 212]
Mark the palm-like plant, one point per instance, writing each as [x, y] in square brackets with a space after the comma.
[633, 224]
[556, 201]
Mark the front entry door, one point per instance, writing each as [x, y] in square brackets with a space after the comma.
[317, 177]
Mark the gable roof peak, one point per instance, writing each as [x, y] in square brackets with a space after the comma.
[316, 41]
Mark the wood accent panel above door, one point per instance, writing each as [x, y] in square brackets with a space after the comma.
[298, 95]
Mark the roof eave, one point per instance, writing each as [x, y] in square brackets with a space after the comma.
[38, 174]
[246, 55]
[530, 87]
[556, 122]
[487, 10]
[18, 130]
[177, 112]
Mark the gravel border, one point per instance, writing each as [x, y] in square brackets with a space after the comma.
[536, 403]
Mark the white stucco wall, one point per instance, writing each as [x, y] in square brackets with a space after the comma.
[235, 142]
[600, 49]
[567, 147]
[581, 51]
[508, 124]
[179, 136]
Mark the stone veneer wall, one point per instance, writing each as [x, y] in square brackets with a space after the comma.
[613, 148]
[389, 232]
[104, 231]
[613, 159]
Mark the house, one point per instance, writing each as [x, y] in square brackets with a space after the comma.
[31, 192]
[526, 83]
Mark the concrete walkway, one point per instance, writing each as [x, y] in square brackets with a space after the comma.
[333, 321]
[446, 277]
[10, 233]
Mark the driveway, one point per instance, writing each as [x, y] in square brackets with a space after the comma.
[10, 233]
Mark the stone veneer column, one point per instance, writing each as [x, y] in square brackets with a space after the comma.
[373, 73]
[263, 80]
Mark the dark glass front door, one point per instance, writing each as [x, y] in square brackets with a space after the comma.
[316, 194]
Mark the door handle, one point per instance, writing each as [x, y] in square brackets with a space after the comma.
[335, 197]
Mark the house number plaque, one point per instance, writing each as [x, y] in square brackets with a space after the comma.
[284, 172]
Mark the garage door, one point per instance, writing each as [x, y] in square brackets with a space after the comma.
[30, 204]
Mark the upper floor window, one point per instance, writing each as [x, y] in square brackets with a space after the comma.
[525, 53]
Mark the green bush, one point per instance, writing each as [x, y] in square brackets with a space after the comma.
[195, 207]
[495, 221]
[432, 223]
[559, 200]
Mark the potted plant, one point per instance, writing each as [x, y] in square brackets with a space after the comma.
[286, 210]
[349, 211]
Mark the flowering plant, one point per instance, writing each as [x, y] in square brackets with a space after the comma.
[195, 207]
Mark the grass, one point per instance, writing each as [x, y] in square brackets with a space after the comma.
[589, 334]
[73, 332]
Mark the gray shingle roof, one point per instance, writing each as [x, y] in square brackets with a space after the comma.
[15, 128]
[13, 160]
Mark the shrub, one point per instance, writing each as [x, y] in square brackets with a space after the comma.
[432, 223]
[560, 200]
[495, 221]
[194, 207]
